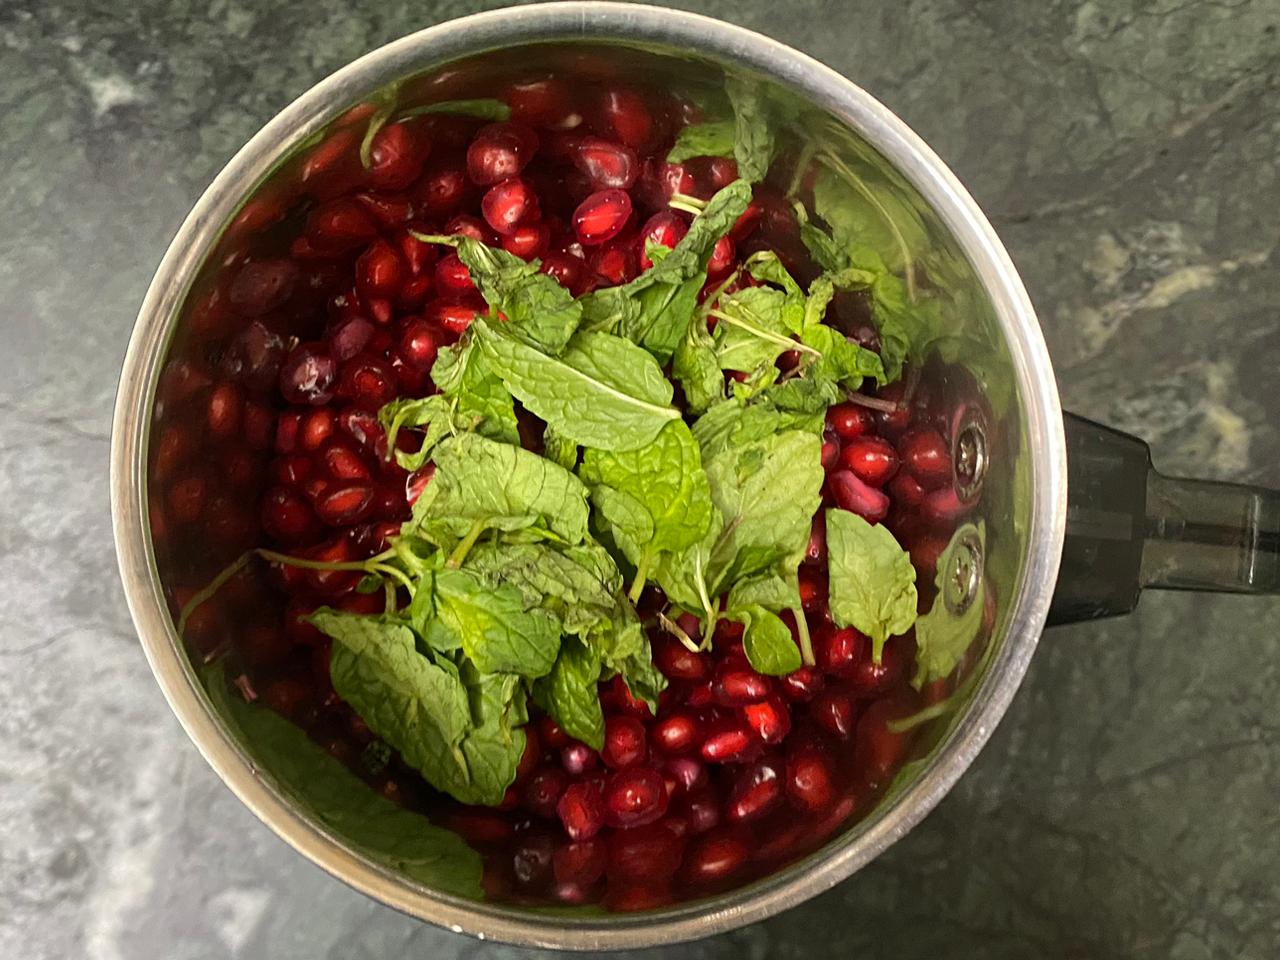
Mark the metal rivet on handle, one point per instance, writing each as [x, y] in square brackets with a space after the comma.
[964, 576]
[969, 457]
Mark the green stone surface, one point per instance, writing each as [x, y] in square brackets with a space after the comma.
[1129, 804]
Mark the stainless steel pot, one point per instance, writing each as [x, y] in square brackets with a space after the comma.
[1048, 491]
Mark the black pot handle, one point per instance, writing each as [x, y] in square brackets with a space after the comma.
[1130, 528]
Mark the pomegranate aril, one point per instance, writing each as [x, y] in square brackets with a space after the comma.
[879, 751]
[810, 779]
[254, 357]
[581, 862]
[551, 736]
[736, 684]
[367, 382]
[343, 463]
[379, 271]
[834, 712]
[443, 189]
[481, 826]
[856, 496]
[340, 225]
[601, 216]
[345, 504]
[261, 286]
[729, 740]
[626, 116]
[723, 257]
[578, 758]
[542, 791]
[531, 860]
[756, 790]
[187, 498]
[286, 517]
[348, 337]
[665, 229]
[830, 454]
[893, 422]
[811, 584]
[701, 810]
[674, 733]
[815, 550]
[333, 166]
[624, 742]
[617, 697]
[715, 858]
[905, 490]
[452, 277]
[308, 374]
[388, 212]
[839, 650]
[871, 459]
[942, 508]
[801, 686]
[850, 421]
[581, 809]
[649, 853]
[500, 151]
[634, 797]
[453, 317]
[509, 205]
[688, 773]
[528, 241]
[870, 679]
[606, 164]
[677, 661]
[396, 155]
[769, 720]
[544, 102]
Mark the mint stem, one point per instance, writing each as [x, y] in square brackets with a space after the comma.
[642, 575]
[806, 644]
[464, 545]
[211, 588]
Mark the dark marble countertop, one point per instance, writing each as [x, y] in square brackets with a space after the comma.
[1126, 807]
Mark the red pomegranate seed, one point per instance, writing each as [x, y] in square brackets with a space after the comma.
[317, 426]
[418, 255]
[769, 720]
[550, 734]
[719, 171]
[343, 463]
[417, 482]
[542, 792]
[528, 242]
[443, 189]
[601, 216]
[834, 712]
[578, 758]
[363, 427]
[729, 740]
[500, 151]
[348, 337]
[715, 858]
[454, 317]
[858, 497]
[262, 286]
[870, 679]
[396, 156]
[508, 205]
[659, 181]
[687, 772]
[815, 550]
[388, 212]
[606, 164]
[481, 827]
[307, 375]
[810, 779]
[665, 229]
[453, 279]
[634, 797]
[289, 698]
[367, 382]
[172, 450]
[701, 810]
[379, 271]
[343, 505]
[674, 733]
[801, 686]
[624, 742]
[871, 459]
[650, 853]
[723, 257]
[781, 843]
[849, 421]
[581, 862]
[616, 696]
[625, 115]
[756, 790]
[465, 225]
[943, 508]
[340, 225]
[746, 223]
[419, 344]
[225, 407]
[830, 454]
[633, 897]
[544, 102]
[581, 809]
[286, 517]
[333, 166]
[531, 860]
[736, 684]
[839, 650]
[529, 756]
[812, 587]
[187, 498]
[677, 661]
[254, 358]
[893, 422]
[905, 490]
[878, 749]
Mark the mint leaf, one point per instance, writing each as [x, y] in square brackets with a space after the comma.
[861, 209]
[753, 133]
[768, 643]
[602, 392]
[404, 842]
[482, 108]
[480, 401]
[712, 139]
[697, 369]
[665, 480]
[432, 415]
[771, 590]
[569, 694]
[496, 486]
[559, 449]
[538, 310]
[498, 632]
[871, 580]
[492, 748]
[755, 327]
[643, 679]
[735, 423]
[942, 637]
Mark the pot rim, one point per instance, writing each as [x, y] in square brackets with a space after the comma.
[590, 21]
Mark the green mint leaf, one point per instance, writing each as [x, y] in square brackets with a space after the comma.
[734, 423]
[499, 486]
[942, 637]
[432, 415]
[696, 367]
[712, 139]
[481, 108]
[753, 132]
[755, 327]
[603, 392]
[568, 693]
[498, 632]
[411, 702]
[480, 401]
[665, 479]
[871, 580]
[404, 842]
[768, 643]
[538, 310]
[492, 748]
[559, 449]
[771, 590]
[862, 209]
[765, 266]
[643, 679]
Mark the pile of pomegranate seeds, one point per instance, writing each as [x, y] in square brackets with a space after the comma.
[328, 307]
